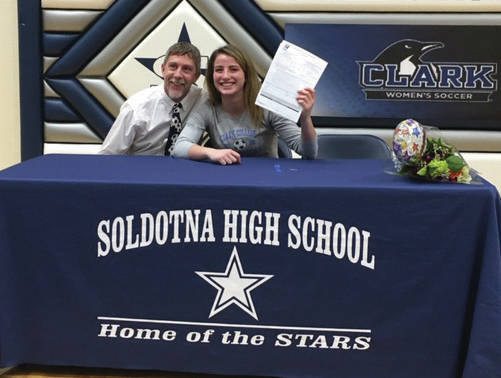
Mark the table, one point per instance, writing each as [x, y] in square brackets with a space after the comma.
[272, 267]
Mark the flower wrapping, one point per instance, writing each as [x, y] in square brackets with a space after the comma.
[420, 152]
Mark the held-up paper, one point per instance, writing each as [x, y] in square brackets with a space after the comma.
[292, 69]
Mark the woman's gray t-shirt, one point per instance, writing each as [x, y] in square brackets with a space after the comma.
[239, 133]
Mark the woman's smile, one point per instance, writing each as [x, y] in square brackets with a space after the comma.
[229, 78]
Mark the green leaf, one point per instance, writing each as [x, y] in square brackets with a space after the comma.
[455, 163]
[438, 168]
[422, 171]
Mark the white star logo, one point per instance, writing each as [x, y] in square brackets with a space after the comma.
[234, 286]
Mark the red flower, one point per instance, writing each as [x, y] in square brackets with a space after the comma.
[454, 175]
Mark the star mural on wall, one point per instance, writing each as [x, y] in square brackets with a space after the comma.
[151, 63]
[88, 73]
[234, 286]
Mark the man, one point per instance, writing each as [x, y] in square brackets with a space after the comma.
[150, 120]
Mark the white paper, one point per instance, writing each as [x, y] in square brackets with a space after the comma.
[292, 69]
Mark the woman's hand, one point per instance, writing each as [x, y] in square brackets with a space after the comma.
[224, 157]
[306, 98]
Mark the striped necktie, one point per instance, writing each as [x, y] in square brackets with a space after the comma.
[175, 128]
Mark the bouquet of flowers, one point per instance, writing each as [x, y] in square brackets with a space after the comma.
[420, 154]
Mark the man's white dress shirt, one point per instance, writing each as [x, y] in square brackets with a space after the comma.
[143, 124]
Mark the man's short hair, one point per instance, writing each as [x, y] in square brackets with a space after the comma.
[185, 48]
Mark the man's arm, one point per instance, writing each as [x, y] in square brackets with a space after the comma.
[121, 135]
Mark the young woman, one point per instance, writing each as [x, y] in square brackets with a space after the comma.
[236, 126]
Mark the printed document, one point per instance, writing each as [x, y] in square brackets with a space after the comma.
[292, 69]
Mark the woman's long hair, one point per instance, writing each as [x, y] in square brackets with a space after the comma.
[251, 86]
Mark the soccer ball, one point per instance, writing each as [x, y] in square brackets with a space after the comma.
[240, 144]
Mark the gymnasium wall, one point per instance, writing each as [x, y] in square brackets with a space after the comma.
[10, 142]
[93, 54]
